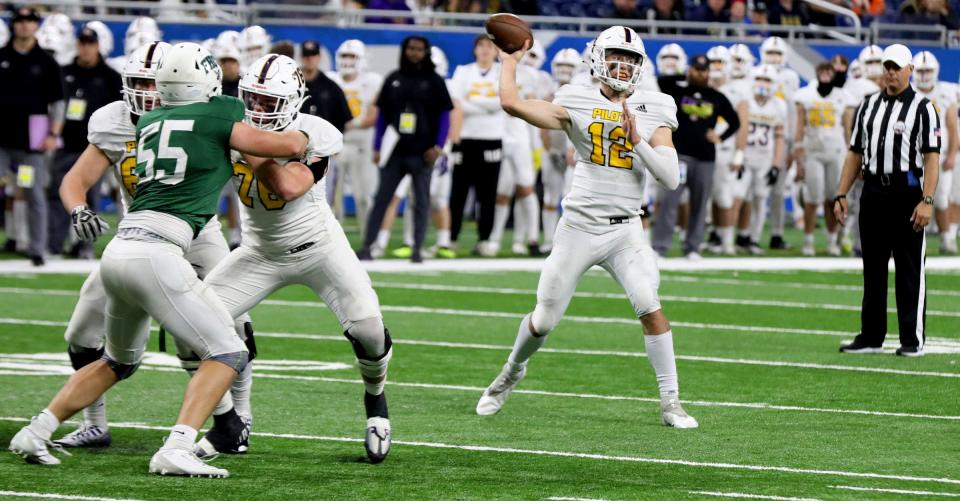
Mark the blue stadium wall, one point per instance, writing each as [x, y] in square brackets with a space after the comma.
[458, 45]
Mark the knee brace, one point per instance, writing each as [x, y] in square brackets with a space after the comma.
[81, 357]
[123, 371]
[370, 339]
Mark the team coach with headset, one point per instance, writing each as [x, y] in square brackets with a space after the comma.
[896, 144]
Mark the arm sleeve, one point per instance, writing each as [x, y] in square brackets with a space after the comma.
[730, 115]
[381, 127]
[929, 129]
[856, 135]
[443, 128]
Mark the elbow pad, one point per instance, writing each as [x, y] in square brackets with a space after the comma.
[661, 161]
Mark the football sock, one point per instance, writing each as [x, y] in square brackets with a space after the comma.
[225, 405]
[550, 219]
[374, 373]
[832, 238]
[519, 223]
[531, 207]
[500, 214]
[660, 353]
[21, 228]
[96, 413]
[443, 238]
[408, 225]
[44, 424]
[181, 437]
[952, 231]
[726, 236]
[375, 405]
[240, 392]
[808, 239]
[526, 344]
[383, 239]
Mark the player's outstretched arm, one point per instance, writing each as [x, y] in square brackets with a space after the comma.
[542, 114]
[289, 181]
[89, 167]
[261, 143]
[658, 155]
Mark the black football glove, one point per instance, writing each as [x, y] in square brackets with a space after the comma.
[87, 225]
[773, 175]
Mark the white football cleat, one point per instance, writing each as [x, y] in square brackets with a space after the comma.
[519, 249]
[377, 441]
[809, 251]
[488, 249]
[182, 462]
[496, 394]
[33, 449]
[834, 250]
[87, 435]
[674, 415]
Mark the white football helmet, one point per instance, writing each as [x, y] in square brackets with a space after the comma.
[188, 74]
[764, 78]
[774, 51]
[671, 60]
[142, 65]
[140, 32]
[225, 46]
[273, 90]
[56, 35]
[104, 36]
[440, 63]
[926, 70]
[741, 60]
[535, 57]
[254, 42]
[855, 70]
[564, 65]
[719, 57]
[871, 59]
[622, 39]
[350, 57]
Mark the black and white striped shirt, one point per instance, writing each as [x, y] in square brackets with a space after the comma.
[893, 132]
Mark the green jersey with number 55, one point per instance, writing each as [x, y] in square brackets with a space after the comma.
[608, 181]
[183, 158]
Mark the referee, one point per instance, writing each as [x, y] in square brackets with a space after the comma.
[896, 144]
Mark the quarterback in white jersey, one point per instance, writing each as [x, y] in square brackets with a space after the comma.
[113, 143]
[824, 114]
[291, 237]
[763, 143]
[361, 88]
[620, 135]
[943, 95]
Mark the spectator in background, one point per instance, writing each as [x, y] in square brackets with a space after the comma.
[90, 85]
[284, 48]
[31, 97]
[667, 10]
[759, 15]
[711, 11]
[789, 13]
[871, 8]
[840, 65]
[415, 105]
[398, 5]
[326, 99]
[928, 12]
[626, 9]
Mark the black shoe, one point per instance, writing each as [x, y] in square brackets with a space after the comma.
[534, 249]
[909, 351]
[230, 434]
[10, 245]
[37, 260]
[364, 254]
[857, 347]
[777, 242]
[416, 257]
[714, 238]
[743, 242]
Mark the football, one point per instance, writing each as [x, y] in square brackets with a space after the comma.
[508, 32]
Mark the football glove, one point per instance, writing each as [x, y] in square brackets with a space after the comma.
[87, 225]
[772, 175]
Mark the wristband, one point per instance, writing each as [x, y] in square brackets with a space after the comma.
[318, 169]
[737, 157]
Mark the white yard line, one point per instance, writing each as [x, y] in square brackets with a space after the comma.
[692, 358]
[48, 495]
[566, 498]
[896, 491]
[579, 455]
[934, 263]
[787, 285]
[743, 495]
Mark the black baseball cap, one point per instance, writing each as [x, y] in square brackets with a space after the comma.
[759, 6]
[26, 14]
[700, 62]
[310, 48]
[88, 35]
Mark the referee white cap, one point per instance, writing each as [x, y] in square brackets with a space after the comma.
[898, 54]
